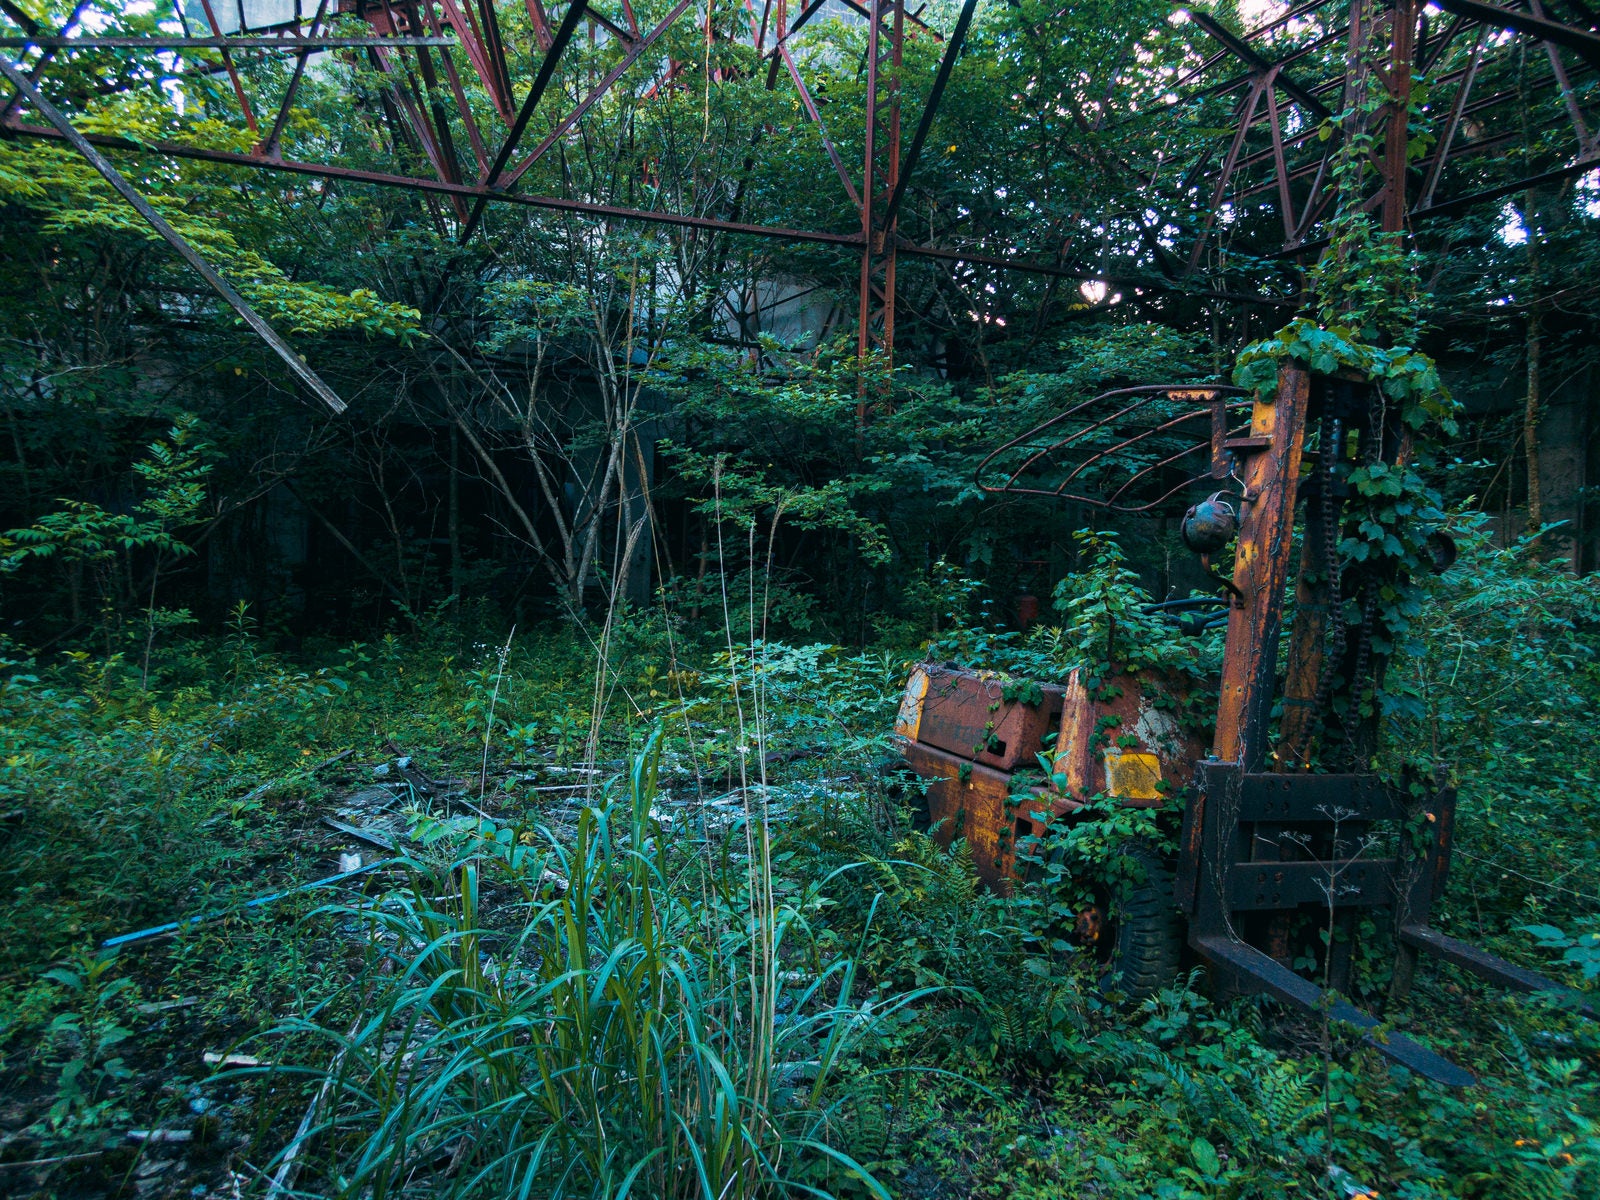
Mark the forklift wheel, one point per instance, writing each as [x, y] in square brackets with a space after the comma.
[904, 786]
[1147, 933]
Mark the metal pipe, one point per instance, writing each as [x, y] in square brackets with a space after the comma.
[224, 42]
[439, 187]
[171, 236]
[541, 81]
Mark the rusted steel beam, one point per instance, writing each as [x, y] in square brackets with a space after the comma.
[636, 47]
[1568, 96]
[1584, 41]
[494, 46]
[810, 107]
[466, 30]
[1247, 53]
[1318, 198]
[1280, 166]
[415, 183]
[159, 41]
[45, 54]
[1236, 82]
[1270, 475]
[20, 16]
[880, 171]
[610, 26]
[123, 188]
[233, 74]
[541, 24]
[805, 15]
[1428, 56]
[269, 148]
[1294, 14]
[1484, 146]
[952, 50]
[1452, 123]
[541, 81]
[441, 117]
[862, 9]
[1259, 31]
[453, 78]
[1247, 109]
[403, 96]
[1581, 166]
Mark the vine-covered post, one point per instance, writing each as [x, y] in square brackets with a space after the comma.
[1271, 472]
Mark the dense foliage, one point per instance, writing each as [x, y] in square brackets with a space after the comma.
[905, 1024]
[599, 600]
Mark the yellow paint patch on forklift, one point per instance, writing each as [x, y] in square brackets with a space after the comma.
[909, 720]
[1133, 775]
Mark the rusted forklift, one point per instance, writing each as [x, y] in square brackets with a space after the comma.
[1266, 839]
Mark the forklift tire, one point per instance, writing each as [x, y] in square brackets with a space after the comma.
[1147, 937]
[905, 787]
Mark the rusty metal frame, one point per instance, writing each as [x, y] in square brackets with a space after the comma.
[1393, 30]
[258, 325]
[1261, 160]
[1222, 405]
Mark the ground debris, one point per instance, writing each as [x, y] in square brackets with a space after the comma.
[213, 1058]
[160, 1135]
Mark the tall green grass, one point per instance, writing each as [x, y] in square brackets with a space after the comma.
[650, 1024]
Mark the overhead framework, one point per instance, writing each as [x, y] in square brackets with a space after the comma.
[1293, 92]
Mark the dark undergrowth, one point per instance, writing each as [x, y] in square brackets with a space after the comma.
[662, 928]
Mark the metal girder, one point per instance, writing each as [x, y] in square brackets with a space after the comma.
[438, 187]
[1584, 41]
[636, 47]
[171, 236]
[781, 49]
[428, 109]
[45, 54]
[880, 173]
[1393, 32]
[224, 42]
[269, 148]
[1248, 54]
[541, 81]
[935, 94]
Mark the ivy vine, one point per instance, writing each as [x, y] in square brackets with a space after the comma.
[1393, 511]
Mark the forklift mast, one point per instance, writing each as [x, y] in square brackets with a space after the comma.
[1276, 821]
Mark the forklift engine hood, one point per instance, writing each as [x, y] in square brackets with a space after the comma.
[968, 732]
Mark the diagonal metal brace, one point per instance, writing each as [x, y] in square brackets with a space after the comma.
[170, 235]
[547, 70]
[1247, 53]
[1584, 41]
[951, 51]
